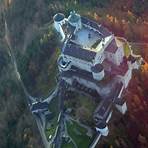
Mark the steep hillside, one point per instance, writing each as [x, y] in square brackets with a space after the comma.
[36, 48]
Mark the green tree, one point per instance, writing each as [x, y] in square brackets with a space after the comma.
[100, 3]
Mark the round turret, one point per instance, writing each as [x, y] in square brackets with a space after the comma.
[59, 17]
[102, 128]
[63, 63]
[98, 71]
[59, 20]
[75, 20]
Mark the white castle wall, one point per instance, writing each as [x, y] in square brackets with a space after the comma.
[103, 131]
[126, 78]
[84, 65]
[101, 49]
[86, 83]
[122, 108]
[98, 76]
[99, 58]
[82, 81]
[118, 57]
[58, 27]
[78, 25]
[109, 117]
[110, 57]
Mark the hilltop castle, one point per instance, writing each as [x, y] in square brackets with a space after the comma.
[93, 60]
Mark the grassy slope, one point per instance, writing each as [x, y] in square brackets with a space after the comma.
[78, 134]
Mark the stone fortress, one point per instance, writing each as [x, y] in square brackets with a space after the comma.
[93, 60]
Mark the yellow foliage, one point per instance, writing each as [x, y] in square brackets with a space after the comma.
[130, 13]
[110, 18]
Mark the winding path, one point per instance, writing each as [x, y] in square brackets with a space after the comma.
[30, 99]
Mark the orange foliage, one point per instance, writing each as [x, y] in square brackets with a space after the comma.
[96, 16]
[145, 68]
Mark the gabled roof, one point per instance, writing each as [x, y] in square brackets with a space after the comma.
[59, 17]
[97, 68]
[121, 69]
[119, 101]
[76, 51]
[101, 125]
[103, 31]
[103, 110]
[74, 17]
[39, 106]
[112, 47]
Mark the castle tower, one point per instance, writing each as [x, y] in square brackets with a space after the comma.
[74, 20]
[63, 63]
[121, 105]
[59, 20]
[98, 72]
[102, 128]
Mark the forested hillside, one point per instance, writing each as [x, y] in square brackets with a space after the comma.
[36, 48]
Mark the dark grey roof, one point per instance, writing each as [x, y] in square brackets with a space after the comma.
[49, 116]
[79, 73]
[97, 68]
[101, 125]
[39, 106]
[132, 59]
[103, 31]
[74, 17]
[59, 17]
[103, 110]
[116, 91]
[112, 47]
[71, 28]
[119, 101]
[76, 51]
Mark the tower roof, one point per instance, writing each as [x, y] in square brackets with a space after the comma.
[40, 106]
[97, 68]
[101, 125]
[74, 17]
[59, 17]
[112, 47]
